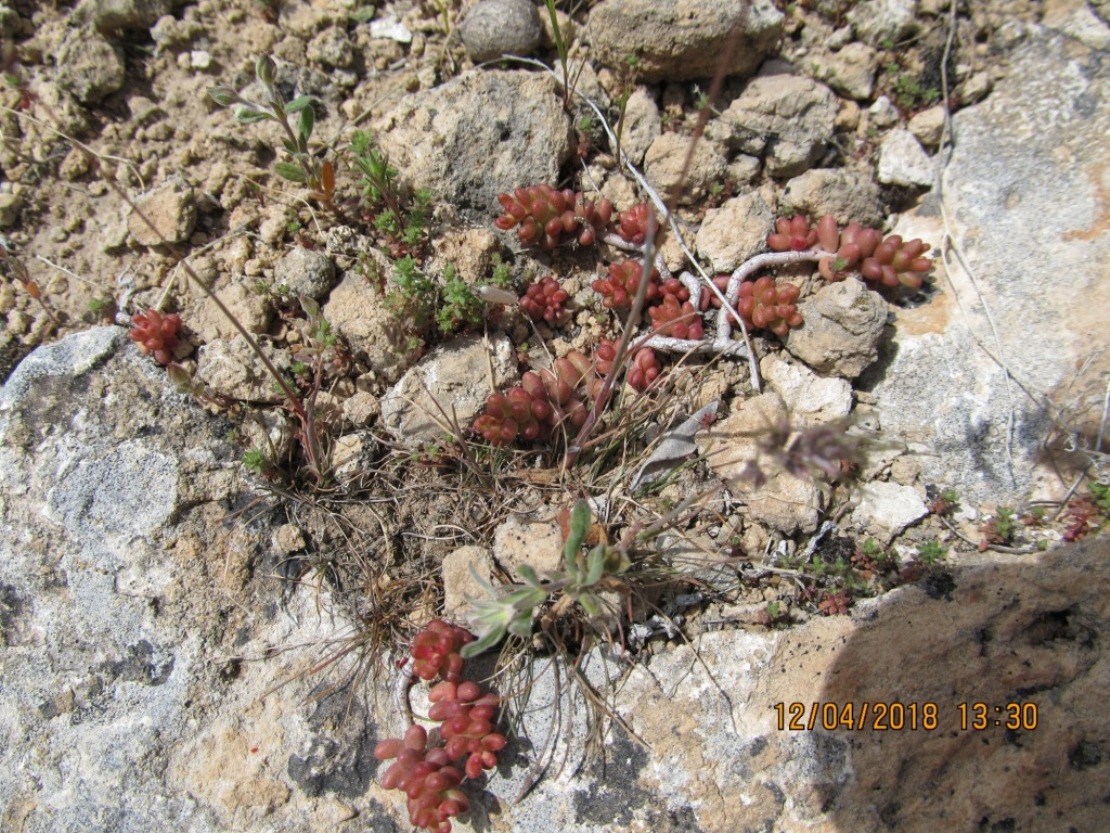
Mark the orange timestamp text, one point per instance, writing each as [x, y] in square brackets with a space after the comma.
[896, 716]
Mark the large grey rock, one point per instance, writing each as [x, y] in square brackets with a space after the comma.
[1025, 200]
[786, 119]
[125, 607]
[479, 135]
[1029, 633]
[129, 607]
[675, 40]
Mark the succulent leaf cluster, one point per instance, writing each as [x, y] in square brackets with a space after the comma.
[431, 776]
[466, 714]
[767, 305]
[643, 368]
[532, 409]
[435, 651]
[897, 263]
[676, 318]
[793, 234]
[546, 217]
[619, 288]
[633, 224]
[543, 301]
[428, 777]
[156, 334]
[889, 261]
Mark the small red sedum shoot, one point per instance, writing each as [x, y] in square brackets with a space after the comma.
[156, 334]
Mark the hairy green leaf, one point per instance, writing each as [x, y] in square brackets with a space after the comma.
[483, 643]
[265, 69]
[294, 173]
[579, 526]
[298, 104]
[595, 566]
[245, 114]
[308, 121]
[224, 96]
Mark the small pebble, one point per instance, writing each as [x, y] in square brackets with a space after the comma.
[501, 27]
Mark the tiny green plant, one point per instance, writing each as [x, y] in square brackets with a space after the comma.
[999, 530]
[459, 305]
[579, 582]
[1087, 513]
[1100, 494]
[502, 274]
[412, 300]
[872, 549]
[304, 166]
[563, 48]
[945, 502]
[400, 216]
[931, 552]
[363, 14]
[701, 98]
[255, 461]
[102, 307]
[909, 92]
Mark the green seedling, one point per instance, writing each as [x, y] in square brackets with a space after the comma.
[563, 48]
[402, 217]
[412, 300]
[1000, 530]
[579, 582]
[459, 305]
[303, 166]
[502, 275]
[255, 461]
[931, 552]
